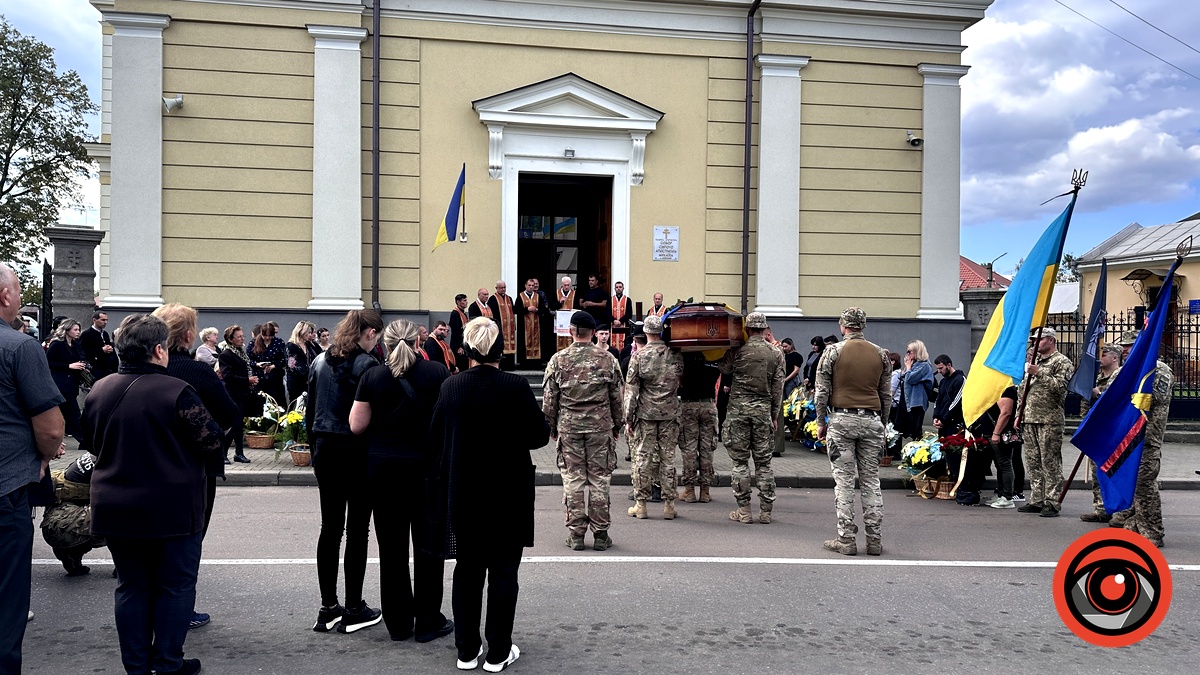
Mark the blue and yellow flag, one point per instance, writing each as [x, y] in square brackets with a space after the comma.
[448, 229]
[1000, 361]
[1114, 432]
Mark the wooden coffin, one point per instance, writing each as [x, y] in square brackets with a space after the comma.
[703, 326]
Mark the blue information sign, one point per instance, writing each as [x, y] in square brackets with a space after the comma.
[1193, 306]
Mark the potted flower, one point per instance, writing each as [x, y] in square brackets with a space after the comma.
[260, 429]
[294, 433]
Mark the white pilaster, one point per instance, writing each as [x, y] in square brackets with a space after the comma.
[940, 177]
[777, 287]
[337, 168]
[135, 251]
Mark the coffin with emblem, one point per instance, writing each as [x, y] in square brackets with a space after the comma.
[702, 326]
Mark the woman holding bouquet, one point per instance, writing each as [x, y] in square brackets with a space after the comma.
[392, 410]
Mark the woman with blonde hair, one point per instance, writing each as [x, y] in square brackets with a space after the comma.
[301, 352]
[69, 368]
[392, 410]
[339, 461]
[917, 381]
[488, 478]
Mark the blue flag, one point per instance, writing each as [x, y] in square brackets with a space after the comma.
[1114, 432]
[1084, 379]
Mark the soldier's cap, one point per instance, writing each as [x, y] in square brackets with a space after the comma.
[652, 325]
[756, 320]
[1128, 338]
[1047, 331]
[635, 329]
[582, 319]
[854, 317]
[1111, 349]
[603, 326]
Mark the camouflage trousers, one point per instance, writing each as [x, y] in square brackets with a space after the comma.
[697, 441]
[747, 436]
[1043, 461]
[855, 444]
[1097, 500]
[654, 444]
[586, 461]
[1145, 516]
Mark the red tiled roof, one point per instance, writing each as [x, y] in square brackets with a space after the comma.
[973, 275]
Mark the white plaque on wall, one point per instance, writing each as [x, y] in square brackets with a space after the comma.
[666, 243]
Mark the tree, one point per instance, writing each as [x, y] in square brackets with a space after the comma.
[42, 136]
[1068, 269]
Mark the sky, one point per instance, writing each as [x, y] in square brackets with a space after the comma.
[1047, 92]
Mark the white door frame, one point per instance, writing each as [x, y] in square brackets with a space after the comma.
[514, 166]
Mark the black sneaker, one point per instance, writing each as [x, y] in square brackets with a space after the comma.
[328, 618]
[446, 628]
[1049, 511]
[363, 617]
[189, 667]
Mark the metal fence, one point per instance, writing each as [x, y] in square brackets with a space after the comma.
[1180, 350]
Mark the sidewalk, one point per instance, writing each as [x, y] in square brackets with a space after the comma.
[797, 468]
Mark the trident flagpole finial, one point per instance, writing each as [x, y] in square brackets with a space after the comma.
[1184, 248]
[1079, 178]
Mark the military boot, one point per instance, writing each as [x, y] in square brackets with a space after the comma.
[638, 510]
[704, 497]
[741, 515]
[688, 495]
[602, 542]
[764, 516]
[840, 546]
[874, 546]
[669, 510]
[575, 543]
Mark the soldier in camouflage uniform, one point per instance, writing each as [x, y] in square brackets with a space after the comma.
[1110, 365]
[581, 398]
[754, 403]
[1145, 516]
[854, 388]
[697, 426]
[1041, 426]
[652, 416]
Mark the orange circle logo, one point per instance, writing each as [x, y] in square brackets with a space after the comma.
[1112, 587]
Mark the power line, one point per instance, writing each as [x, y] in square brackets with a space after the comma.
[1154, 27]
[1194, 77]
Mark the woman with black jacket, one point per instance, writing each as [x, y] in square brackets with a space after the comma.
[67, 365]
[234, 367]
[392, 411]
[340, 463]
[302, 350]
[268, 358]
[488, 479]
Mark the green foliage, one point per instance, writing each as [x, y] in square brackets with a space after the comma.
[42, 136]
[1068, 269]
[31, 293]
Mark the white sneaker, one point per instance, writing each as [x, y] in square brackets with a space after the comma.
[513, 654]
[1002, 503]
[472, 664]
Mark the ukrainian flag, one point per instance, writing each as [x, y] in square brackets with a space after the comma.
[448, 229]
[1000, 361]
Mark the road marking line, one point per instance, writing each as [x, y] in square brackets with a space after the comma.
[673, 560]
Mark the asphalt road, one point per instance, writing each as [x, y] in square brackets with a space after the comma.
[958, 589]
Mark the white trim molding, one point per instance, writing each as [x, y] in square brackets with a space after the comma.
[940, 185]
[531, 129]
[777, 275]
[337, 168]
[135, 214]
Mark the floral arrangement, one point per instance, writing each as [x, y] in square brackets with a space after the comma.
[956, 443]
[268, 422]
[292, 428]
[802, 412]
[920, 456]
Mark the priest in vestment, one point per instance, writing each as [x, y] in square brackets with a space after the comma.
[532, 315]
[622, 312]
[504, 314]
[481, 307]
[659, 308]
[565, 296]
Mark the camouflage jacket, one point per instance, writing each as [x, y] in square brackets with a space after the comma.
[652, 385]
[581, 391]
[828, 362]
[1047, 389]
[1102, 383]
[1160, 405]
[757, 369]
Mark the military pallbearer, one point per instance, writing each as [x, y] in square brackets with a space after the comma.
[652, 416]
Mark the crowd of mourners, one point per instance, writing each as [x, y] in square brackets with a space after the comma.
[394, 407]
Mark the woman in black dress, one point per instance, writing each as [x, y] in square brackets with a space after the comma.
[489, 491]
[68, 367]
[268, 357]
[392, 411]
[302, 350]
[240, 381]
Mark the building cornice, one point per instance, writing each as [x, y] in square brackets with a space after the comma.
[125, 23]
[337, 37]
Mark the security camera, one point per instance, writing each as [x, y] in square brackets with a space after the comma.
[170, 104]
[915, 141]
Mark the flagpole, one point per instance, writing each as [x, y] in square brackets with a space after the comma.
[1066, 486]
[462, 231]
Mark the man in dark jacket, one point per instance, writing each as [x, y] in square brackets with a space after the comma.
[98, 347]
[947, 409]
[152, 437]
